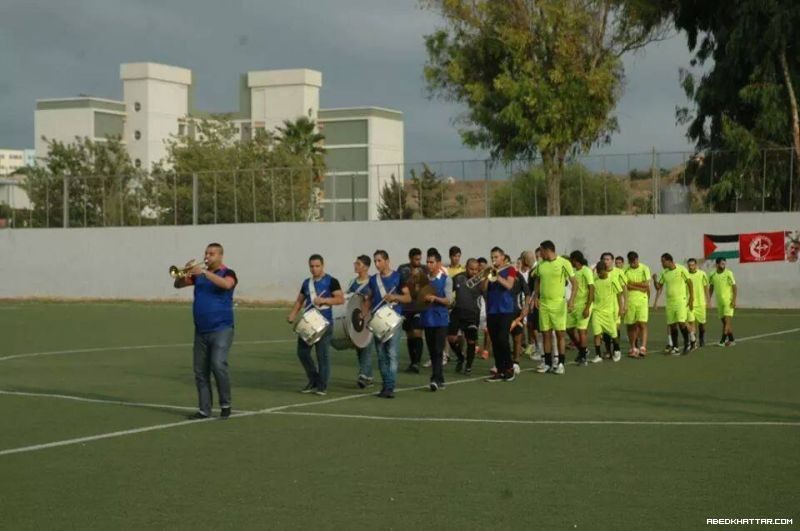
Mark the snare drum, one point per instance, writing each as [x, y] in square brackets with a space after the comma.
[385, 323]
[311, 326]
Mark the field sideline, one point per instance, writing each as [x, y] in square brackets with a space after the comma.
[94, 398]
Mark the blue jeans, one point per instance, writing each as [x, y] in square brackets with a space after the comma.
[211, 356]
[319, 373]
[387, 360]
[365, 360]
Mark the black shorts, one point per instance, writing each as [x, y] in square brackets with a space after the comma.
[518, 329]
[533, 319]
[412, 321]
[464, 323]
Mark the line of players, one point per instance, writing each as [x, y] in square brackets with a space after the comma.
[557, 296]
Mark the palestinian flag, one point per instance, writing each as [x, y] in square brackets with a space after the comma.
[720, 246]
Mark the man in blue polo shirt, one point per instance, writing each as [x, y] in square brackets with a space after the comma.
[213, 329]
[436, 316]
[500, 314]
[320, 291]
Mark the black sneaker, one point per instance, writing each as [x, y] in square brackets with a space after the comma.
[467, 371]
[309, 388]
[225, 413]
[197, 415]
[433, 386]
[509, 376]
[362, 381]
[686, 349]
[413, 368]
[386, 393]
[459, 366]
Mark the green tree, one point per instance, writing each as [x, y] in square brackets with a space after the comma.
[432, 197]
[537, 77]
[394, 201]
[746, 97]
[302, 139]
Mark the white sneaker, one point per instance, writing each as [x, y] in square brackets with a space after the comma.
[517, 368]
[529, 351]
[542, 368]
[596, 359]
[559, 369]
[675, 351]
[427, 364]
[617, 356]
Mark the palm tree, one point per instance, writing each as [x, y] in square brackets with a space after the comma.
[302, 139]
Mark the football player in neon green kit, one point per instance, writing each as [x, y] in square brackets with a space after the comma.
[697, 315]
[578, 318]
[637, 276]
[680, 299]
[608, 305]
[617, 274]
[723, 286]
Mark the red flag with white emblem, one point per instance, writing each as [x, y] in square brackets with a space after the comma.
[761, 247]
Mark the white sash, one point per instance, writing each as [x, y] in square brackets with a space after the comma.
[381, 287]
[312, 294]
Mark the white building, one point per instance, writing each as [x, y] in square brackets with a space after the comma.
[12, 192]
[11, 160]
[157, 105]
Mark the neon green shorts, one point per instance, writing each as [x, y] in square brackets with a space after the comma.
[553, 316]
[696, 314]
[575, 318]
[604, 323]
[724, 309]
[677, 314]
[637, 312]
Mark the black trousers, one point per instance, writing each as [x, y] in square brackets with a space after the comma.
[435, 338]
[499, 325]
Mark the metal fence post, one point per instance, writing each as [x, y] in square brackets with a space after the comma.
[605, 187]
[214, 175]
[121, 204]
[272, 185]
[65, 211]
[653, 183]
[175, 198]
[291, 190]
[47, 201]
[195, 199]
[85, 199]
[235, 198]
[711, 182]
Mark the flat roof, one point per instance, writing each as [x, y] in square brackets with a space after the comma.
[80, 102]
[359, 112]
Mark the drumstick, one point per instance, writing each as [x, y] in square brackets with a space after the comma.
[372, 312]
[310, 304]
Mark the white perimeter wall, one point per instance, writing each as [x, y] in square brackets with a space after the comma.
[270, 259]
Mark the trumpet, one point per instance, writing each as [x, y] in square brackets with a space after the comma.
[489, 273]
[183, 272]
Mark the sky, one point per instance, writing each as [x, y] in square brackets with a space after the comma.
[370, 52]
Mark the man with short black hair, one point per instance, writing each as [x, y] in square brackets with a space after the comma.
[680, 299]
[696, 317]
[552, 275]
[320, 291]
[360, 286]
[435, 317]
[500, 314]
[412, 274]
[465, 317]
[723, 285]
[213, 328]
[637, 279]
[455, 266]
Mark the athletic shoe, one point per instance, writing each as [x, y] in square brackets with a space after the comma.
[687, 349]
[693, 345]
[509, 376]
[722, 342]
[433, 386]
[668, 349]
[361, 381]
[675, 351]
[413, 368]
[320, 392]
[643, 352]
[516, 368]
[583, 362]
[427, 364]
[309, 388]
[224, 413]
[459, 366]
[468, 371]
[596, 359]
[445, 359]
[731, 343]
[197, 415]
[385, 393]
[702, 342]
[543, 368]
[559, 369]
[617, 356]
[537, 356]
[493, 370]
[494, 378]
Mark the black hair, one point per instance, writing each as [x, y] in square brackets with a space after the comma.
[690, 260]
[434, 253]
[719, 260]
[549, 245]
[483, 260]
[383, 254]
[414, 251]
[454, 250]
[667, 256]
[364, 259]
[217, 245]
[632, 255]
[603, 256]
[619, 258]
[600, 267]
[470, 261]
[317, 257]
[577, 256]
[497, 249]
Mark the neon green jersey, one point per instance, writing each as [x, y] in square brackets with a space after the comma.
[674, 280]
[639, 275]
[553, 276]
[583, 278]
[699, 282]
[605, 294]
[723, 286]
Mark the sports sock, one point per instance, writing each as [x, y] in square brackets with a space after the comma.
[702, 334]
[457, 349]
[616, 345]
[470, 354]
[548, 359]
[730, 336]
[607, 342]
[597, 350]
[562, 359]
[674, 336]
[685, 334]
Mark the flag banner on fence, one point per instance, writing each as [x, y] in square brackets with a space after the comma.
[720, 246]
[762, 247]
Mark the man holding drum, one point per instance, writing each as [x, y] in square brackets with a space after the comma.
[317, 294]
[360, 286]
[386, 290]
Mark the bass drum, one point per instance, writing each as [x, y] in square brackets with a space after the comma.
[349, 325]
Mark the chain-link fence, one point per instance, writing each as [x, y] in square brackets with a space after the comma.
[636, 183]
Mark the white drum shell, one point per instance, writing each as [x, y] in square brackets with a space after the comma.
[385, 323]
[312, 326]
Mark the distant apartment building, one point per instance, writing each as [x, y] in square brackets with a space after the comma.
[12, 192]
[157, 104]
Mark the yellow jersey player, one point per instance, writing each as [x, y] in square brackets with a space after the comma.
[617, 274]
[608, 303]
[680, 299]
[637, 277]
[696, 318]
[723, 286]
[578, 318]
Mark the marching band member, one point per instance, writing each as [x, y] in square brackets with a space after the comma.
[213, 328]
[360, 285]
[409, 273]
[465, 316]
[321, 291]
[435, 318]
[500, 314]
[385, 286]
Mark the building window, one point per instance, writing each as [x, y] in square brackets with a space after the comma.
[137, 106]
[137, 135]
[182, 129]
[138, 163]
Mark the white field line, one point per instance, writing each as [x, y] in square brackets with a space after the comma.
[545, 422]
[281, 409]
[134, 347]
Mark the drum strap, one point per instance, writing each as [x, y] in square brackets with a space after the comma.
[312, 294]
[381, 287]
